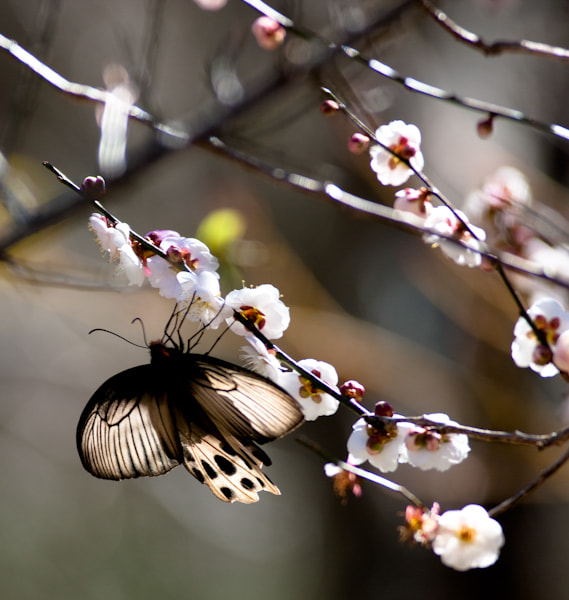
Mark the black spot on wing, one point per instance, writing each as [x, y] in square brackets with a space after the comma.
[247, 483]
[225, 447]
[226, 466]
[260, 455]
[198, 474]
[227, 492]
[210, 471]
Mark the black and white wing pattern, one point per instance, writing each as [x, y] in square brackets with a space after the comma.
[241, 402]
[127, 429]
[187, 409]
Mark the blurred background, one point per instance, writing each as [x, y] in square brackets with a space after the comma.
[415, 329]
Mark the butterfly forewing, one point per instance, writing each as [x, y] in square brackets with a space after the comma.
[127, 429]
[242, 402]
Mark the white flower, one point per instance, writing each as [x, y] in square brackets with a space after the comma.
[552, 320]
[468, 538]
[110, 236]
[163, 276]
[313, 402]
[115, 239]
[383, 449]
[263, 307]
[404, 140]
[427, 449]
[131, 265]
[443, 220]
[561, 353]
[200, 294]
[257, 358]
[414, 201]
[184, 255]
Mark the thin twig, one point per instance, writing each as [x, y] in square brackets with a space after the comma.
[524, 492]
[420, 87]
[475, 41]
[374, 478]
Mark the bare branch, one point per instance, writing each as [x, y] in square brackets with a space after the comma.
[472, 39]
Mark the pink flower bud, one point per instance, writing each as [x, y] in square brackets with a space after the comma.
[269, 33]
[485, 127]
[383, 409]
[358, 143]
[94, 187]
[329, 107]
[352, 389]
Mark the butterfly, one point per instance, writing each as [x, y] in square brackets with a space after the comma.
[190, 409]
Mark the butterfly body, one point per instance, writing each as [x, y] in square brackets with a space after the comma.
[190, 409]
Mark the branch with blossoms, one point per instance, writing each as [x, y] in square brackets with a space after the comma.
[490, 233]
[183, 269]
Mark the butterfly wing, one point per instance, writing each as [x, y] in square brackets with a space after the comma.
[127, 429]
[240, 402]
[229, 467]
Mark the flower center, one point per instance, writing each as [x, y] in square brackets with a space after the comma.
[378, 437]
[308, 389]
[550, 329]
[254, 315]
[403, 150]
[466, 534]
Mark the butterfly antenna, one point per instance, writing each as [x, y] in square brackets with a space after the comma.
[120, 337]
[142, 328]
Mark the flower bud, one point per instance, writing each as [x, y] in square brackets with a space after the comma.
[353, 389]
[269, 33]
[94, 187]
[329, 107]
[358, 143]
[485, 127]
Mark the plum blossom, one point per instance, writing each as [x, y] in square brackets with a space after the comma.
[114, 238]
[405, 141]
[344, 482]
[421, 524]
[381, 448]
[554, 261]
[443, 220]
[552, 320]
[500, 207]
[110, 236]
[313, 402]
[428, 449]
[413, 201]
[468, 538]
[184, 254]
[257, 358]
[263, 307]
[561, 352]
[199, 293]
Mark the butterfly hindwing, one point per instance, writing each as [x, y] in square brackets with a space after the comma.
[230, 468]
[127, 429]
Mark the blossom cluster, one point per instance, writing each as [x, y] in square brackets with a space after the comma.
[464, 539]
[184, 269]
[390, 444]
[394, 159]
[544, 348]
